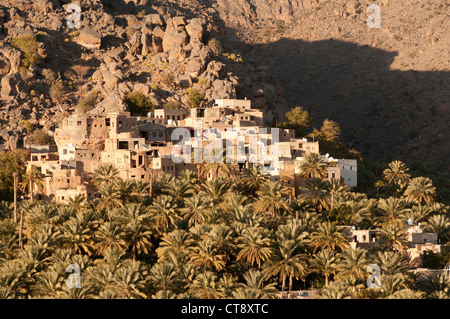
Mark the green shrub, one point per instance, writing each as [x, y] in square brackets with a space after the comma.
[168, 79]
[195, 98]
[57, 92]
[86, 103]
[28, 126]
[202, 82]
[41, 137]
[27, 44]
[173, 105]
[138, 103]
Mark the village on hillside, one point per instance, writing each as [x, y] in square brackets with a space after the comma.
[143, 148]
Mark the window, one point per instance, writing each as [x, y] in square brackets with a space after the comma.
[120, 124]
[107, 122]
[78, 122]
[64, 151]
[123, 145]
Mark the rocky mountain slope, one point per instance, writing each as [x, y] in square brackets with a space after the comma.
[387, 87]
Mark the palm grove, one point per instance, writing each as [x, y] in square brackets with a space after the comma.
[219, 238]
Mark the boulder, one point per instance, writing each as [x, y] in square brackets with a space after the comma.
[89, 39]
[154, 19]
[144, 88]
[174, 37]
[146, 44]
[178, 21]
[195, 29]
[110, 79]
[157, 39]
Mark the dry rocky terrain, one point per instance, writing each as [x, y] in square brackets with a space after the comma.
[388, 88]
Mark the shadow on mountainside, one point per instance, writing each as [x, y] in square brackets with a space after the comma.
[385, 114]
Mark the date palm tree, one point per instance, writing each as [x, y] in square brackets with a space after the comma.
[141, 188]
[223, 239]
[286, 262]
[312, 166]
[206, 286]
[254, 246]
[31, 180]
[110, 235]
[256, 285]
[196, 209]
[325, 263]
[164, 276]
[316, 192]
[105, 174]
[215, 170]
[295, 231]
[326, 236]
[391, 263]
[435, 286]
[131, 212]
[206, 255]
[125, 188]
[160, 183]
[110, 198]
[177, 242]
[216, 190]
[40, 215]
[252, 178]
[164, 213]
[179, 189]
[138, 237]
[272, 199]
[392, 211]
[395, 236]
[407, 294]
[13, 280]
[439, 224]
[420, 190]
[352, 264]
[76, 202]
[396, 173]
[418, 214]
[336, 187]
[49, 283]
[77, 236]
[336, 290]
[389, 284]
[129, 281]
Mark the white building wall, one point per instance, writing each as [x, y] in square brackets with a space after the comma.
[349, 171]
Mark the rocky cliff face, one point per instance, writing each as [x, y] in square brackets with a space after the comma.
[387, 87]
[161, 50]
